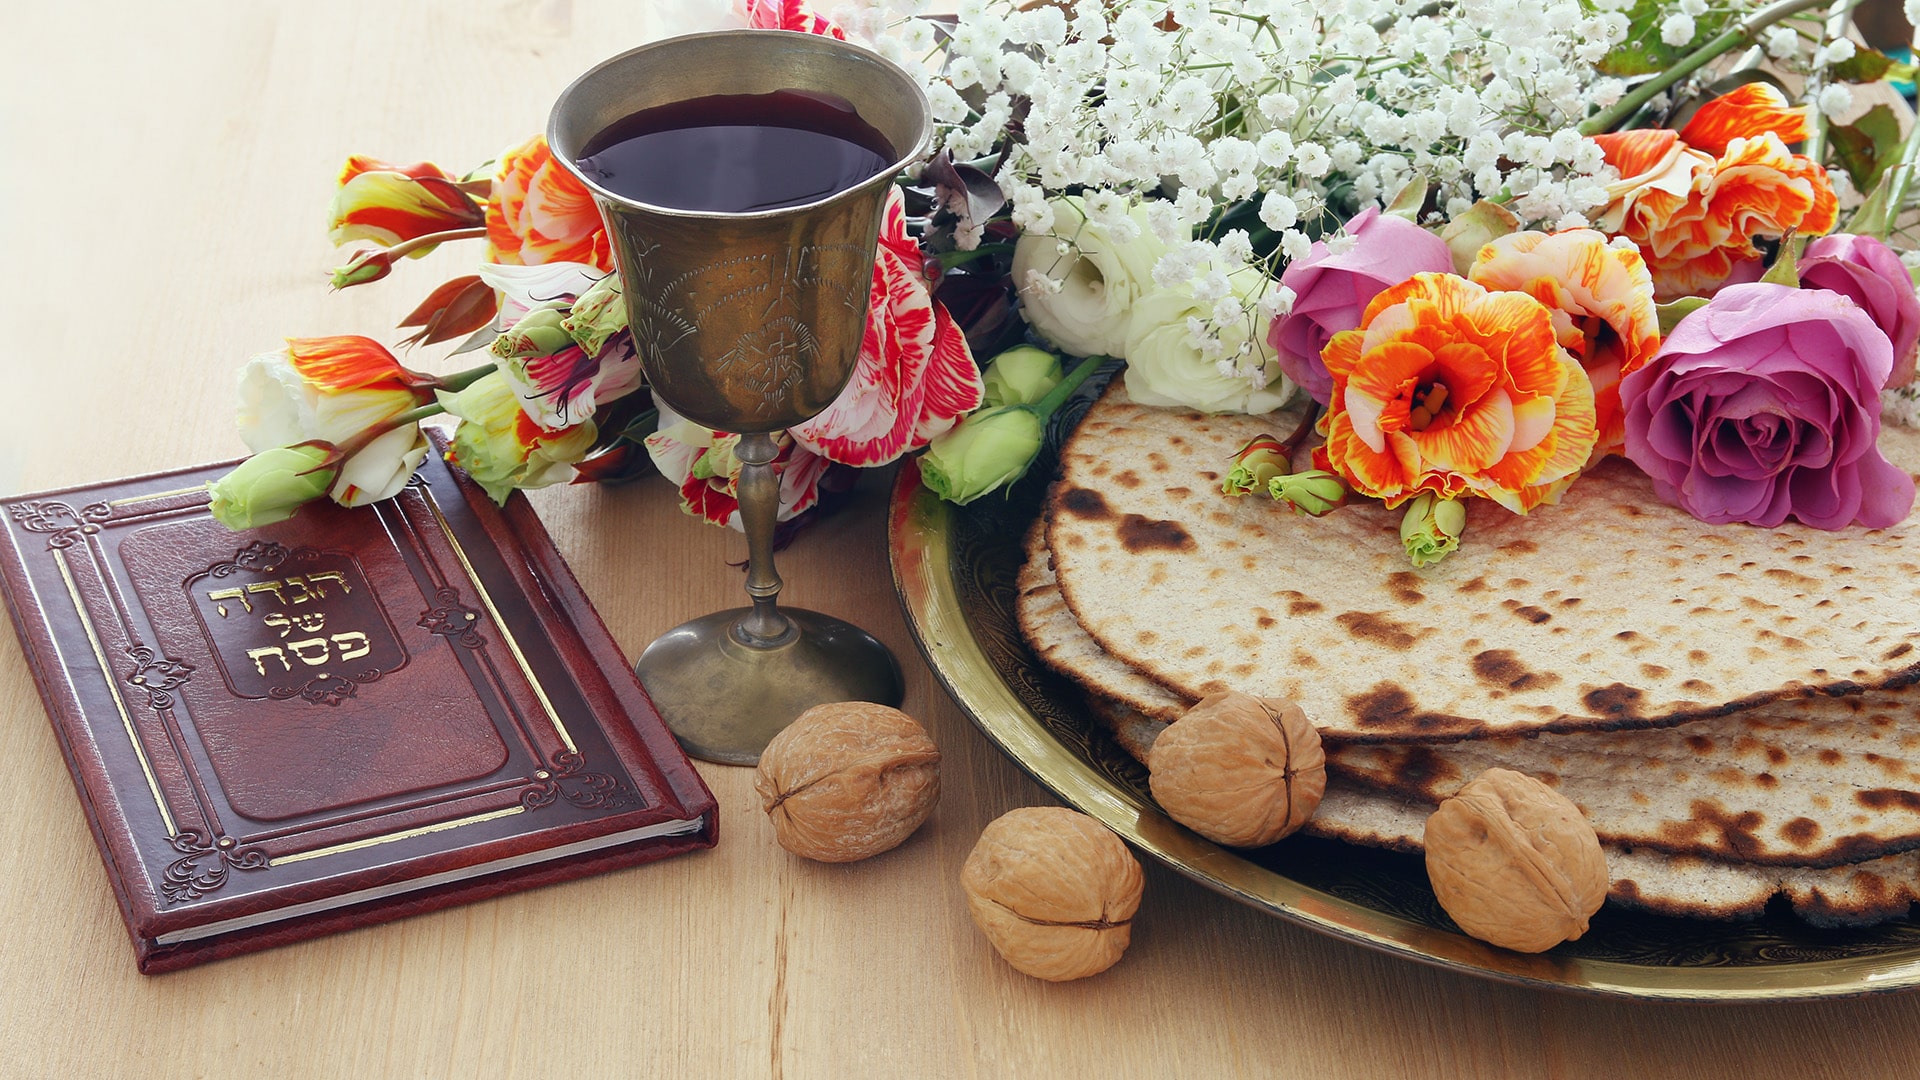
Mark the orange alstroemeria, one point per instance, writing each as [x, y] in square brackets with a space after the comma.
[1742, 113]
[1450, 388]
[540, 213]
[1694, 207]
[1601, 301]
[391, 204]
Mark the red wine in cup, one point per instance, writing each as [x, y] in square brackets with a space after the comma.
[737, 153]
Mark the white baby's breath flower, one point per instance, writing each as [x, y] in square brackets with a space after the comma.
[1837, 51]
[1834, 100]
[1313, 160]
[1677, 29]
[1278, 212]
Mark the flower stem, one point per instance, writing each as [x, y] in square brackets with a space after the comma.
[1607, 119]
[461, 380]
[1059, 394]
[408, 247]
[1837, 19]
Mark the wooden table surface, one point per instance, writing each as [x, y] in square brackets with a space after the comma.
[164, 205]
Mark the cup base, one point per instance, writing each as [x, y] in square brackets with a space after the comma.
[725, 700]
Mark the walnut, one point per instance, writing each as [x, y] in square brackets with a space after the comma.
[848, 780]
[1239, 770]
[1515, 863]
[1054, 891]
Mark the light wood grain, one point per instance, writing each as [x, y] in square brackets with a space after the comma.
[163, 202]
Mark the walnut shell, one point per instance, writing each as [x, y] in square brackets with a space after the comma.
[1054, 891]
[848, 780]
[1515, 863]
[1239, 770]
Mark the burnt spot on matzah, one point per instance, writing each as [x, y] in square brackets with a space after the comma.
[1715, 828]
[1801, 831]
[1390, 706]
[1528, 612]
[1475, 585]
[1887, 798]
[1086, 503]
[1138, 534]
[1614, 700]
[1897, 651]
[1299, 603]
[1377, 629]
[1406, 587]
[1502, 668]
[1128, 479]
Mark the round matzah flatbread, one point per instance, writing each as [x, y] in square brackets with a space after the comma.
[1609, 610]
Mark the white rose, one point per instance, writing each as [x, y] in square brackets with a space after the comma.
[1165, 365]
[1084, 298]
[382, 469]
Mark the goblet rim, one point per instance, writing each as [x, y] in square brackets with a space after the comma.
[921, 142]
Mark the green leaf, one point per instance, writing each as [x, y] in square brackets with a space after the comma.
[1643, 53]
[1867, 146]
[1865, 65]
[1671, 314]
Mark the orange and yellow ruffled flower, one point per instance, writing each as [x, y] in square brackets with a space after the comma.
[1450, 388]
[540, 213]
[1601, 302]
[390, 204]
[1693, 201]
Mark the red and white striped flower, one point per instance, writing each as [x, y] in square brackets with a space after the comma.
[916, 377]
[784, 15]
[701, 463]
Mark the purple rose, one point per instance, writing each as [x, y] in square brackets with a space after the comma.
[1331, 291]
[1765, 405]
[1867, 272]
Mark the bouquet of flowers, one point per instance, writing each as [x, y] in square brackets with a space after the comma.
[1492, 241]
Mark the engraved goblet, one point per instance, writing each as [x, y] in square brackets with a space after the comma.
[750, 322]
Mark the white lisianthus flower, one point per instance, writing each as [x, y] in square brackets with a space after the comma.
[1166, 365]
[1083, 297]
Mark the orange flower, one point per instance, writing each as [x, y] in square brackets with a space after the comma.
[1449, 388]
[540, 213]
[390, 204]
[1693, 201]
[1601, 300]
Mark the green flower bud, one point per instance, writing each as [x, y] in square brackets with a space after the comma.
[271, 485]
[600, 313]
[1021, 376]
[1312, 492]
[1432, 528]
[538, 333]
[366, 266]
[986, 451]
[1256, 465]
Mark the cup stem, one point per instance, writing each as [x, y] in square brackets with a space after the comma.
[759, 494]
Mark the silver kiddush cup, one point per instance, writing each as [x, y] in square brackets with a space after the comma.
[750, 322]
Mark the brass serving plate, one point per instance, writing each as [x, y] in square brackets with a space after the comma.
[954, 569]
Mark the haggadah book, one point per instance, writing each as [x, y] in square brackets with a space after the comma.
[341, 719]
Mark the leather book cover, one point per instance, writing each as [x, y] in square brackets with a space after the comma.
[340, 719]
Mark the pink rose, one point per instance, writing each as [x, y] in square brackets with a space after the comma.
[1331, 291]
[1867, 272]
[1765, 405]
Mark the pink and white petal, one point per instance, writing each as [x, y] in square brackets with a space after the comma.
[800, 475]
[676, 444]
[953, 385]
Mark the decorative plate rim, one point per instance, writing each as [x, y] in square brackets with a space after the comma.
[920, 552]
